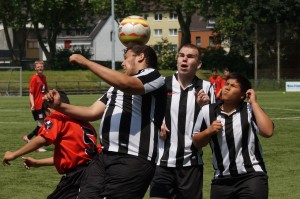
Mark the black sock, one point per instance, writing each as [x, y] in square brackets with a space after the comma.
[34, 132]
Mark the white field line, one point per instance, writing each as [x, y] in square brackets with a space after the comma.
[284, 109]
[286, 118]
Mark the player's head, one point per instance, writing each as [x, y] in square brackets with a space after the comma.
[63, 98]
[188, 60]
[226, 72]
[149, 54]
[237, 82]
[214, 72]
[39, 66]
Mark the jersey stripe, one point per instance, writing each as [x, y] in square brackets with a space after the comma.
[180, 116]
[130, 122]
[236, 150]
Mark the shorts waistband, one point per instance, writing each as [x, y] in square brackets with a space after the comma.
[77, 168]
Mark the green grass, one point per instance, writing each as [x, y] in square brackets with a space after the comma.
[73, 79]
[281, 152]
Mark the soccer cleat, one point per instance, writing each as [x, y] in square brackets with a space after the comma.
[25, 138]
[40, 150]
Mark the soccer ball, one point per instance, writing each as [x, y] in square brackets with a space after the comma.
[134, 30]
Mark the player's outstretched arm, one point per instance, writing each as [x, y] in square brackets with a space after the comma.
[31, 162]
[89, 113]
[35, 143]
[125, 83]
[264, 123]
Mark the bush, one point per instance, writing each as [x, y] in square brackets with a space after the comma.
[61, 60]
[166, 55]
[220, 59]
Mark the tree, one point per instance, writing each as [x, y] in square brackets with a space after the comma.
[55, 16]
[166, 55]
[14, 16]
[236, 20]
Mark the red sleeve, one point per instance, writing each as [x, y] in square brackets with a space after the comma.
[50, 129]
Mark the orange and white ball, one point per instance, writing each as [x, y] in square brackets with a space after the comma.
[134, 30]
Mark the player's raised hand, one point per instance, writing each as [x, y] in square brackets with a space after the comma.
[202, 98]
[79, 59]
[251, 96]
[52, 98]
[8, 156]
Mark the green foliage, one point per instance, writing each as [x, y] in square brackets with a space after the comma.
[236, 20]
[61, 60]
[122, 9]
[218, 58]
[166, 54]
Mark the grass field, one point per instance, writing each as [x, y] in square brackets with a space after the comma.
[281, 152]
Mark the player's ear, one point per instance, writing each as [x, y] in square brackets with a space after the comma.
[243, 96]
[141, 57]
[199, 64]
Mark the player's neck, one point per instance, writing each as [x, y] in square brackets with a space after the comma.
[229, 107]
[185, 80]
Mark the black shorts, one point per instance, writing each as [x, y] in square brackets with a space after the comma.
[181, 182]
[115, 175]
[69, 184]
[247, 186]
[38, 114]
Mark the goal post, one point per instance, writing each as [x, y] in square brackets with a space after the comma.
[10, 81]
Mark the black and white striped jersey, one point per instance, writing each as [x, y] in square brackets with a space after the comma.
[181, 114]
[236, 150]
[131, 123]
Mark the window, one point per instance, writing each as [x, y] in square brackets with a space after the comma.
[211, 41]
[32, 44]
[158, 17]
[174, 48]
[172, 16]
[145, 16]
[198, 42]
[157, 32]
[211, 23]
[173, 32]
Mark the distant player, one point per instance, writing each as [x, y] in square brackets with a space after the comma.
[231, 128]
[226, 73]
[37, 89]
[75, 146]
[215, 80]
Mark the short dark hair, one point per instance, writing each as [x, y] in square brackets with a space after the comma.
[63, 98]
[213, 70]
[149, 53]
[245, 84]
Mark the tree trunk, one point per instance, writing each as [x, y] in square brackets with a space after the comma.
[185, 27]
[9, 44]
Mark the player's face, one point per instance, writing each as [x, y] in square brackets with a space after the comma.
[129, 63]
[187, 61]
[225, 73]
[232, 91]
[39, 68]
